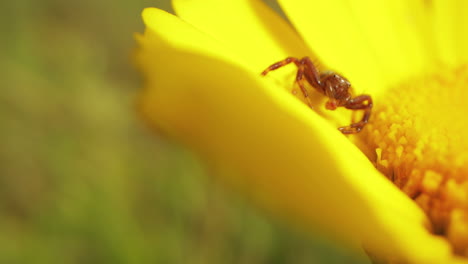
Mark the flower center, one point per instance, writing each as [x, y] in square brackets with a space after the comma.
[417, 139]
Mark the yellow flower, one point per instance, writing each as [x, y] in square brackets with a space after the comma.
[203, 88]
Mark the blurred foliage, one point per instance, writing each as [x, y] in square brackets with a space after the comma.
[82, 180]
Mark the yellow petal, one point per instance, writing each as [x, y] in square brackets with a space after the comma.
[444, 30]
[396, 32]
[373, 43]
[164, 28]
[331, 31]
[286, 157]
[248, 28]
[461, 30]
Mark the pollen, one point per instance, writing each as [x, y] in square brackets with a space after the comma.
[418, 137]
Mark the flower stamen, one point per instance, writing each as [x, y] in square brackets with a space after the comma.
[418, 137]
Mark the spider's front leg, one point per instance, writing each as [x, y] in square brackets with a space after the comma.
[306, 72]
[280, 64]
[300, 65]
[361, 102]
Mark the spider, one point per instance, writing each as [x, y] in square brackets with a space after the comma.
[330, 84]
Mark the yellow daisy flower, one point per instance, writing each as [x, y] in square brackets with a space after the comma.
[203, 88]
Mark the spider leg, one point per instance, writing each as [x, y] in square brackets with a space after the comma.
[280, 64]
[361, 102]
[306, 70]
[300, 81]
[311, 73]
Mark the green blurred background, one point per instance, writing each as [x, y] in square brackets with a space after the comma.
[83, 180]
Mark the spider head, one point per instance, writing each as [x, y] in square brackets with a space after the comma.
[340, 86]
[337, 90]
